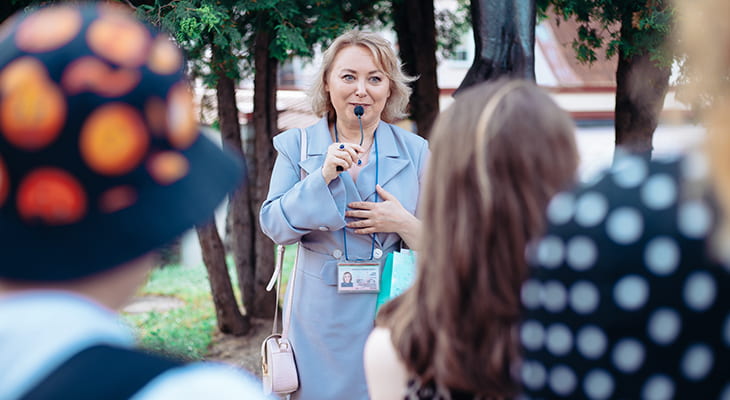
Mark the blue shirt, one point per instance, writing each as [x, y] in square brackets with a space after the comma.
[40, 330]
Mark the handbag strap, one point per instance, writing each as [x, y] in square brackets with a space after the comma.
[280, 249]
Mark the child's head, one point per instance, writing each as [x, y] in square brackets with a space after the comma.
[101, 159]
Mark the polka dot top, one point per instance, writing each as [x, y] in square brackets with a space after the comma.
[626, 300]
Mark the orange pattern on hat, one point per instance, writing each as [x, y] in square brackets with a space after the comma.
[167, 167]
[52, 196]
[4, 182]
[48, 29]
[155, 111]
[33, 108]
[165, 57]
[119, 39]
[183, 128]
[90, 74]
[114, 139]
[117, 198]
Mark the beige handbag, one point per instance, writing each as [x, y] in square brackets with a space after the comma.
[278, 365]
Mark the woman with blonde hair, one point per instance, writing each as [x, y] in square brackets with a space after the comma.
[499, 153]
[349, 197]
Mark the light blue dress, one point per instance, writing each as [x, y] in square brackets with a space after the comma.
[328, 330]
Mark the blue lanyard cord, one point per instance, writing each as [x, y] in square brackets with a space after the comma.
[377, 171]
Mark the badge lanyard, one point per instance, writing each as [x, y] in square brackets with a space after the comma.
[344, 230]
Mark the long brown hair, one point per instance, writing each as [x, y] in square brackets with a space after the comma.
[499, 153]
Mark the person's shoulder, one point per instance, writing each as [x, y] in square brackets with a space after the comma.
[290, 138]
[407, 136]
[287, 138]
[203, 380]
[385, 372]
[627, 176]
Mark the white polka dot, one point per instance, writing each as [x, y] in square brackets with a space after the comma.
[624, 225]
[659, 192]
[694, 219]
[553, 296]
[581, 253]
[532, 335]
[658, 387]
[591, 342]
[561, 207]
[699, 291]
[631, 292]
[584, 297]
[725, 395]
[558, 339]
[598, 384]
[697, 362]
[562, 380]
[629, 171]
[663, 326]
[628, 355]
[530, 294]
[533, 375]
[661, 255]
[590, 209]
[726, 330]
[550, 252]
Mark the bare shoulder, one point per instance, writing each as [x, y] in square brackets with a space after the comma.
[385, 372]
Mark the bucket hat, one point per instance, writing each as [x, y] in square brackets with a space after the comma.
[101, 157]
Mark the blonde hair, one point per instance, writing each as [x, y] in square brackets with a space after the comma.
[384, 57]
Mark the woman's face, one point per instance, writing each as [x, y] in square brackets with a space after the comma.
[347, 277]
[354, 79]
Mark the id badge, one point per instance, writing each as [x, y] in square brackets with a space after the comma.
[358, 277]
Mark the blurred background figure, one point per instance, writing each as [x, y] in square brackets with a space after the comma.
[101, 163]
[499, 153]
[631, 291]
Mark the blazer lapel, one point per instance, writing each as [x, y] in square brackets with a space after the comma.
[389, 160]
[318, 138]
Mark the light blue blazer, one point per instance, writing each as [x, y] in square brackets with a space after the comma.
[328, 330]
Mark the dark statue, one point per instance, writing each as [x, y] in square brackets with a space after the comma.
[504, 33]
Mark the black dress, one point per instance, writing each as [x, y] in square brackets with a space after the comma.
[418, 391]
[628, 297]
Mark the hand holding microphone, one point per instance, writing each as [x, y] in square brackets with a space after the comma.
[359, 111]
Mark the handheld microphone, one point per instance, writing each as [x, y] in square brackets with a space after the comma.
[359, 111]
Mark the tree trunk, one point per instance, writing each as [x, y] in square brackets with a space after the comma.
[265, 127]
[228, 315]
[416, 29]
[641, 86]
[504, 34]
[240, 220]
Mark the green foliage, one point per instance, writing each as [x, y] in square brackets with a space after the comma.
[218, 36]
[450, 27]
[184, 331]
[627, 27]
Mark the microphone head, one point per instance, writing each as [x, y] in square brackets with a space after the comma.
[359, 111]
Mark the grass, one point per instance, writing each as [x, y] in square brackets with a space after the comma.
[188, 330]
